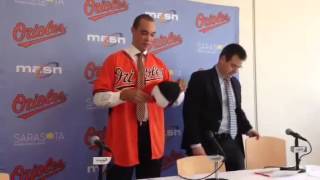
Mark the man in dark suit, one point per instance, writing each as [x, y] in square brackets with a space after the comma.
[212, 106]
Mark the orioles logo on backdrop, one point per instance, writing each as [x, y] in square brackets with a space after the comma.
[38, 171]
[165, 42]
[206, 24]
[26, 36]
[125, 79]
[91, 72]
[166, 16]
[40, 71]
[91, 131]
[98, 10]
[107, 40]
[26, 107]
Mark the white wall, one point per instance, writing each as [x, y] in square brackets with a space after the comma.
[287, 68]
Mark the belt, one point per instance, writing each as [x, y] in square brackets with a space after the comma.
[143, 123]
[222, 136]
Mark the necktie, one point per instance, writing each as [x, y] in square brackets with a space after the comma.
[141, 108]
[231, 109]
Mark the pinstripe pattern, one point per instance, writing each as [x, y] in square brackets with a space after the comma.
[231, 109]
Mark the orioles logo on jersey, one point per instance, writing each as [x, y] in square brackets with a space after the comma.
[126, 79]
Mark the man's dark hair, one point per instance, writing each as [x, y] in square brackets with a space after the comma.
[139, 18]
[233, 49]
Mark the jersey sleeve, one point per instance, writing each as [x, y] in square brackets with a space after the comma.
[105, 79]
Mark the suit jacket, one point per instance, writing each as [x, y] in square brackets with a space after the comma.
[202, 109]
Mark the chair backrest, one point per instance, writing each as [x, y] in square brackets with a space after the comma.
[192, 165]
[4, 176]
[265, 152]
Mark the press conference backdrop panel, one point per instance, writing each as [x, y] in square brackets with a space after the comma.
[51, 52]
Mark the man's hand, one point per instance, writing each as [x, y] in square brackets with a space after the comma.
[253, 133]
[196, 151]
[182, 84]
[135, 95]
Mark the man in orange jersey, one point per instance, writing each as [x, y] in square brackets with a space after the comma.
[135, 131]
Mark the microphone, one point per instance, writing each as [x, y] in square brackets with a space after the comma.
[211, 137]
[294, 134]
[95, 140]
[213, 140]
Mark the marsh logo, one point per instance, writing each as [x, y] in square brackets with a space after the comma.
[107, 40]
[26, 36]
[209, 48]
[30, 139]
[165, 42]
[38, 171]
[92, 169]
[43, 3]
[40, 71]
[173, 131]
[98, 10]
[90, 105]
[166, 16]
[208, 23]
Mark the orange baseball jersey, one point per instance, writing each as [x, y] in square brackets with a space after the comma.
[120, 72]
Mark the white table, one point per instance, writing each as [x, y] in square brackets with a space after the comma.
[247, 175]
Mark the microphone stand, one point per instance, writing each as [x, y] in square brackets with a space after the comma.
[100, 166]
[296, 144]
[297, 167]
[219, 148]
[217, 172]
[100, 161]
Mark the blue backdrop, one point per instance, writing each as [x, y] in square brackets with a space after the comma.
[52, 50]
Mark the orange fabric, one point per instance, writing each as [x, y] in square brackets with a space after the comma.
[119, 72]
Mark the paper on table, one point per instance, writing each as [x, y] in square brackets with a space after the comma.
[313, 170]
[275, 172]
